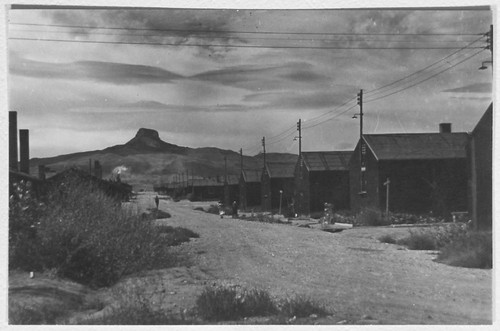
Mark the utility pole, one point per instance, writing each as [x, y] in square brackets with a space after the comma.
[264, 146]
[362, 147]
[226, 187]
[360, 103]
[241, 160]
[299, 128]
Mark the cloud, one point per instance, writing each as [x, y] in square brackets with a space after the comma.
[173, 26]
[300, 100]
[472, 88]
[151, 106]
[266, 77]
[108, 72]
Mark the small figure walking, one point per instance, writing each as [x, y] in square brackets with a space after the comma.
[157, 202]
[235, 209]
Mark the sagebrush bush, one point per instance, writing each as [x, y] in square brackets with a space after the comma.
[473, 250]
[387, 238]
[20, 314]
[301, 306]
[176, 235]
[264, 218]
[223, 303]
[370, 217]
[419, 240]
[434, 238]
[83, 235]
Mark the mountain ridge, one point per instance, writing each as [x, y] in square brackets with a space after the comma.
[150, 160]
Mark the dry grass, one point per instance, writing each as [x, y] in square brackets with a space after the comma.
[226, 303]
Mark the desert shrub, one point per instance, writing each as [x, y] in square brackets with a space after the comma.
[301, 306]
[316, 215]
[24, 215]
[472, 250]
[406, 218]
[21, 314]
[457, 245]
[222, 303]
[158, 214]
[371, 217]
[264, 218]
[344, 217]
[176, 235]
[435, 238]
[137, 301]
[419, 240]
[387, 238]
[84, 235]
[199, 208]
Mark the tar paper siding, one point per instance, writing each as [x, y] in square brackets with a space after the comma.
[416, 186]
[314, 188]
[249, 194]
[371, 198]
[270, 193]
[480, 151]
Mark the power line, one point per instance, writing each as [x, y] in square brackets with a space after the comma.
[308, 125]
[202, 35]
[440, 72]
[376, 91]
[242, 31]
[415, 78]
[232, 46]
[337, 115]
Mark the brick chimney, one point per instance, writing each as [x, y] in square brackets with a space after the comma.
[13, 140]
[444, 127]
[24, 151]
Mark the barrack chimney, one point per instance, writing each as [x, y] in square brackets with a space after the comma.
[13, 140]
[24, 151]
[444, 127]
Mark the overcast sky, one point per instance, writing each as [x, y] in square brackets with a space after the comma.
[88, 79]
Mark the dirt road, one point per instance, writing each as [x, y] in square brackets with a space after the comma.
[358, 277]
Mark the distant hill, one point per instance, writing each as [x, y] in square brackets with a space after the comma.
[146, 160]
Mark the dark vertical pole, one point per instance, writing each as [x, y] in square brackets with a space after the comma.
[360, 113]
[299, 128]
[361, 145]
[226, 187]
[241, 160]
[264, 149]
[24, 150]
[90, 167]
[13, 140]
[242, 196]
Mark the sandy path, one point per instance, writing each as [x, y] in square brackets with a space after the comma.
[351, 271]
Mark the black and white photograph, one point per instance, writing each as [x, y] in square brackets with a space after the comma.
[248, 165]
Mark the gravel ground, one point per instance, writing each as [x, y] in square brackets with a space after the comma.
[360, 279]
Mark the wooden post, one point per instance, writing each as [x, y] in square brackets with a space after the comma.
[387, 184]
